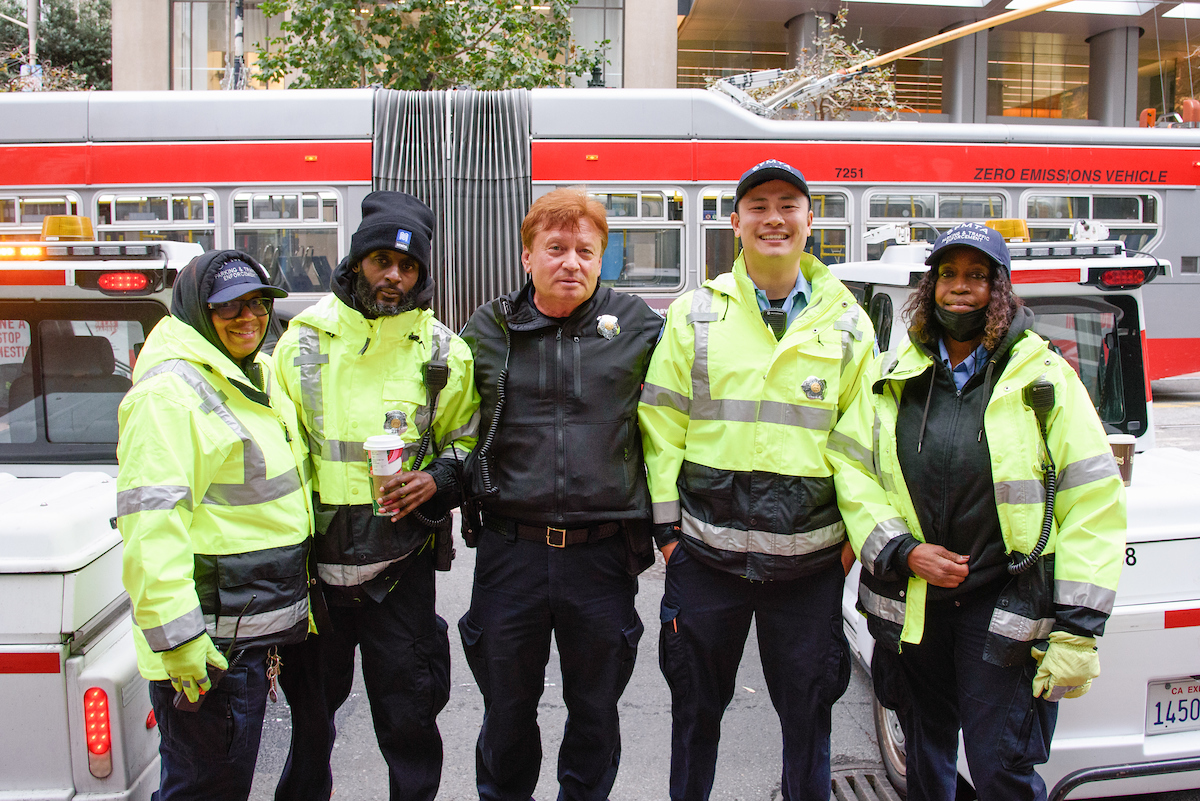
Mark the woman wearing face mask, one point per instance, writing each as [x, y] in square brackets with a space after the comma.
[941, 471]
[214, 506]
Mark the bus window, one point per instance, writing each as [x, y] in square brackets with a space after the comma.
[187, 217]
[970, 206]
[1117, 208]
[645, 239]
[1046, 207]
[720, 249]
[828, 245]
[903, 206]
[21, 216]
[293, 233]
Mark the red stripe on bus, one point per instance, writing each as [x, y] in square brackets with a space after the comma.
[1167, 357]
[30, 663]
[33, 277]
[1063, 276]
[195, 163]
[865, 162]
[1181, 618]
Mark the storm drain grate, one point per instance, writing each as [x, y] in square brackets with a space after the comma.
[862, 784]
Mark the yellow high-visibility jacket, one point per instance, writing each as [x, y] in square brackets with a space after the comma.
[1087, 540]
[734, 423]
[344, 372]
[213, 501]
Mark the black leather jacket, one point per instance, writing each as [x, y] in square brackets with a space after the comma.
[567, 450]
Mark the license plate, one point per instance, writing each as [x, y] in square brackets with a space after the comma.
[1173, 705]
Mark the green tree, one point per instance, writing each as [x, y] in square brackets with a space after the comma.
[71, 42]
[422, 44]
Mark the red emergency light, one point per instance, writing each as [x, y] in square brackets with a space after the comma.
[99, 732]
[123, 282]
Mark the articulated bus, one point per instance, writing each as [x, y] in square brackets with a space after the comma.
[281, 175]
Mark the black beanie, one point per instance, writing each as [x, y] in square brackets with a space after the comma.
[393, 221]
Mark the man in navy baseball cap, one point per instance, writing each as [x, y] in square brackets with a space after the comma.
[770, 170]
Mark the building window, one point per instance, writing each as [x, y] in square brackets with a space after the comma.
[1038, 74]
[294, 234]
[176, 217]
[594, 21]
[645, 239]
[21, 215]
[202, 43]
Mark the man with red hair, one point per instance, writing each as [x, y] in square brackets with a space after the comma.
[559, 480]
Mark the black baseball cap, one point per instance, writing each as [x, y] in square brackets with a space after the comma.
[770, 170]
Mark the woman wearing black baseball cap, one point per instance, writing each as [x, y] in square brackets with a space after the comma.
[984, 596]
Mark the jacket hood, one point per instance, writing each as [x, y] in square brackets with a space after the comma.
[344, 276]
[189, 301]
[523, 314]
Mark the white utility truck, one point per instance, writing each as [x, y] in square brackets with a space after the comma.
[77, 721]
[1145, 707]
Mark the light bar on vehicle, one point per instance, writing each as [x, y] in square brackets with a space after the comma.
[1066, 250]
[99, 732]
[92, 250]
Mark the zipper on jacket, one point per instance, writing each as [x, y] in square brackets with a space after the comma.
[559, 480]
[542, 366]
[578, 375]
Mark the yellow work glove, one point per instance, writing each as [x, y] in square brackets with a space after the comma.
[1066, 666]
[187, 665]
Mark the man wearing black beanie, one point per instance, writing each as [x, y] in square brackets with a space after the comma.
[355, 366]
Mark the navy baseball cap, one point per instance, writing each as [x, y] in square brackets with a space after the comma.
[987, 241]
[770, 170]
[235, 278]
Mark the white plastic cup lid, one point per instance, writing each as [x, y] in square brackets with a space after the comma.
[384, 442]
[1121, 439]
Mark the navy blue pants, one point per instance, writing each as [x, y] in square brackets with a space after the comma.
[524, 591]
[1006, 730]
[406, 670]
[706, 616]
[210, 753]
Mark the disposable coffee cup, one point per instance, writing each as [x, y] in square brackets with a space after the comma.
[1122, 448]
[385, 458]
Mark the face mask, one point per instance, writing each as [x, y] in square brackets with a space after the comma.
[961, 326]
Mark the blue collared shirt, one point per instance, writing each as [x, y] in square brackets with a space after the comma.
[967, 367]
[794, 303]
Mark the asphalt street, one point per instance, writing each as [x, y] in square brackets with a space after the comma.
[749, 765]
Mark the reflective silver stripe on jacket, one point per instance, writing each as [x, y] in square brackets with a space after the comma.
[337, 450]
[885, 478]
[256, 487]
[1020, 491]
[258, 625]
[309, 359]
[654, 395]
[352, 575]
[161, 498]
[1085, 471]
[704, 407]
[877, 540]
[882, 607]
[851, 449]
[175, 632]
[764, 542]
[1016, 627]
[848, 325]
[665, 511]
[1079, 593]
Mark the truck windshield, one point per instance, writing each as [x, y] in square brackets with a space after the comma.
[64, 368]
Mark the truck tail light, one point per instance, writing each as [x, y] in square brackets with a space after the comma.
[99, 732]
[123, 282]
[1122, 278]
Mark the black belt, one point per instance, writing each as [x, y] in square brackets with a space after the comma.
[554, 537]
